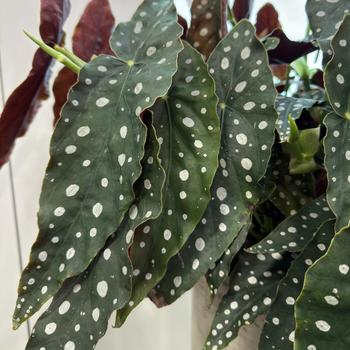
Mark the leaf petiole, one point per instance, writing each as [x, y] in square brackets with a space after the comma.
[294, 131]
[55, 54]
[71, 56]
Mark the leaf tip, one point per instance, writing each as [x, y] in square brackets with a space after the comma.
[15, 324]
[32, 37]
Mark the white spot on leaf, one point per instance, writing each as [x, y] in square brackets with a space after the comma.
[225, 63]
[188, 122]
[323, 326]
[72, 190]
[97, 209]
[184, 175]
[102, 288]
[102, 101]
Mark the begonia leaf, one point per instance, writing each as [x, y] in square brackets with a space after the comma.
[187, 127]
[322, 309]
[325, 18]
[337, 140]
[91, 37]
[242, 9]
[267, 20]
[252, 289]
[245, 88]
[105, 285]
[208, 24]
[289, 107]
[96, 150]
[278, 332]
[288, 50]
[297, 230]
[216, 276]
[25, 100]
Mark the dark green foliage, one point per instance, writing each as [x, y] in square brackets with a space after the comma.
[337, 141]
[252, 288]
[188, 130]
[246, 108]
[297, 230]
[322, 310]
[96, 151]
[165, 169]
[291, 192]
[326, 286]
[217, 275]
[325, 18]
[278, 332]
[90, 297]
[289, 107]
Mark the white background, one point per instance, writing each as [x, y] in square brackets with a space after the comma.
[147, 328]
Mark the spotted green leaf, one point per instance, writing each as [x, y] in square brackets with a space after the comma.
[322, 309]
[337, 140]
[89, 298]
[271, 43]
[244, 85]
[337, 162]
[208, 19]
[336, 77]
[325, 18]
[278, 332]
[292, 191]
[217, 276]
[289, 106]
[187, 126]
[315, 94]
[295, 232]
[252, 289]
[96, 151]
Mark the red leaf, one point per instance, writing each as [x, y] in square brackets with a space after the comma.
[53, 14]
[267, 20]
[223, 17]
[184, 25]
[242, 9]
[91, 37]
[280, 88]
[287, 50]
[318, 78]
[208, 24]
[280, 71]
[23, 103]
[63, 82]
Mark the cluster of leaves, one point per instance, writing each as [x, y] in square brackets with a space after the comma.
[181, 154]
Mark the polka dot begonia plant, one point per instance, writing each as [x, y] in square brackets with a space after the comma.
[179, 155]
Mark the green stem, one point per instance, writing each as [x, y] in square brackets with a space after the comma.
[287, 85]
[55, 54]
[257, 218]
[307, 30]
[294, 131]
[230, 17]
[70, 55]
[306, 81]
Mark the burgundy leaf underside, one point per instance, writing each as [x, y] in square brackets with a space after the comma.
[288, 51]
[242, 8]
[91, 37]
[267, 20]
[25, 100]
